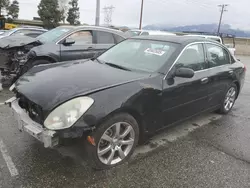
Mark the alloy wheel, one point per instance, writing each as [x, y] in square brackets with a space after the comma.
[230, 99]
[116, 143]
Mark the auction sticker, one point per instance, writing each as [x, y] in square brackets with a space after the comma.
[155, 51]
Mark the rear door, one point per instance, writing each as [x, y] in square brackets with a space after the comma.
[83, 48]
[103, 40]
[221, 72]
[184, 97]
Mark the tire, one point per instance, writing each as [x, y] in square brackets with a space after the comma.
[228, 99]
[109, 127]
[31, 64]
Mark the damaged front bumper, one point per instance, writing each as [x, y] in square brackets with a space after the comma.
[25, 123]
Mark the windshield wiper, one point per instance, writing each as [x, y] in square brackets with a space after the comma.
[97, 60]
[117, 66]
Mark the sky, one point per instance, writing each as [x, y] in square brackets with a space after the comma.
[167, 12]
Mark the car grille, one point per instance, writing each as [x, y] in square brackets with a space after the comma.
[35, 111]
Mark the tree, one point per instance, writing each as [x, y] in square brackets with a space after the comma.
[73, 13]
[13, 10]
[63, 7]
[4, 4]
[49, 12]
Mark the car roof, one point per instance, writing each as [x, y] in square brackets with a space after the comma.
[152, 31]
[137, 30]
[205, 36]
[99, 28]
[31, 28]
[174, 39]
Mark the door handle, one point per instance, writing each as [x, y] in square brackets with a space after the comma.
[231, 72]
[204, 80]
[90, 48]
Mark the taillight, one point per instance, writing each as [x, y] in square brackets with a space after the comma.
[245, 68]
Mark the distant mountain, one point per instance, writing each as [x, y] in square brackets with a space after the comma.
[225, 28]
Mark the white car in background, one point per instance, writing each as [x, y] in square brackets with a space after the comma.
[132, 33]
[231, 48]
[27, 31]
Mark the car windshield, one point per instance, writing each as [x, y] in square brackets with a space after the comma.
[141, 55]
[53, 35]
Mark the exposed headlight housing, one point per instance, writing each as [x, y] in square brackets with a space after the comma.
[68, 113]
[20, 53]
[31, 54]
[12, 87]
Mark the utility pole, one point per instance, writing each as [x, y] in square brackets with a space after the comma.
[97, 18]
[108, 12]
[223, 9]
[142, 4]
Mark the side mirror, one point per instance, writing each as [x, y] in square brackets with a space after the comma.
[68, 42]
[184, 73]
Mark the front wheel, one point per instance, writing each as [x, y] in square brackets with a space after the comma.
[229, 99]
[115, 141]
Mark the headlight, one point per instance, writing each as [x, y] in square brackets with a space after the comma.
[20, 53]
[68, 113]
[31, 55]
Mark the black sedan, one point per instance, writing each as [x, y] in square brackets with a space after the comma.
[139, 86]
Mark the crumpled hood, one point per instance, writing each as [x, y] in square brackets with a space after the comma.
[17, 41]
[51, 85]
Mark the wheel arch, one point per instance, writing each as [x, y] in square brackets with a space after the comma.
[48, 58]
[238, 87]
[135, 114]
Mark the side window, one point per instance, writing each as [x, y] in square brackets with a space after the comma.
[82, 37]
[103, 37]
[118, 38]
[217, 55]
[193, 58]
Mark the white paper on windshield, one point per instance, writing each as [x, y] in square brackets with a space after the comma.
[155, 51]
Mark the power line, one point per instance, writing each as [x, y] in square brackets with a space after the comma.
[223, 9]
[108, 12]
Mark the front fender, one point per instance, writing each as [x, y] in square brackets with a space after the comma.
[51, 51]
[135, 98]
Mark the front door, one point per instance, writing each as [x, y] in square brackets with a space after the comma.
[83, 48]
[184, 97]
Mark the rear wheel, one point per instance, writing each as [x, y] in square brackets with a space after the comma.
[229, 99]
[115, 141]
